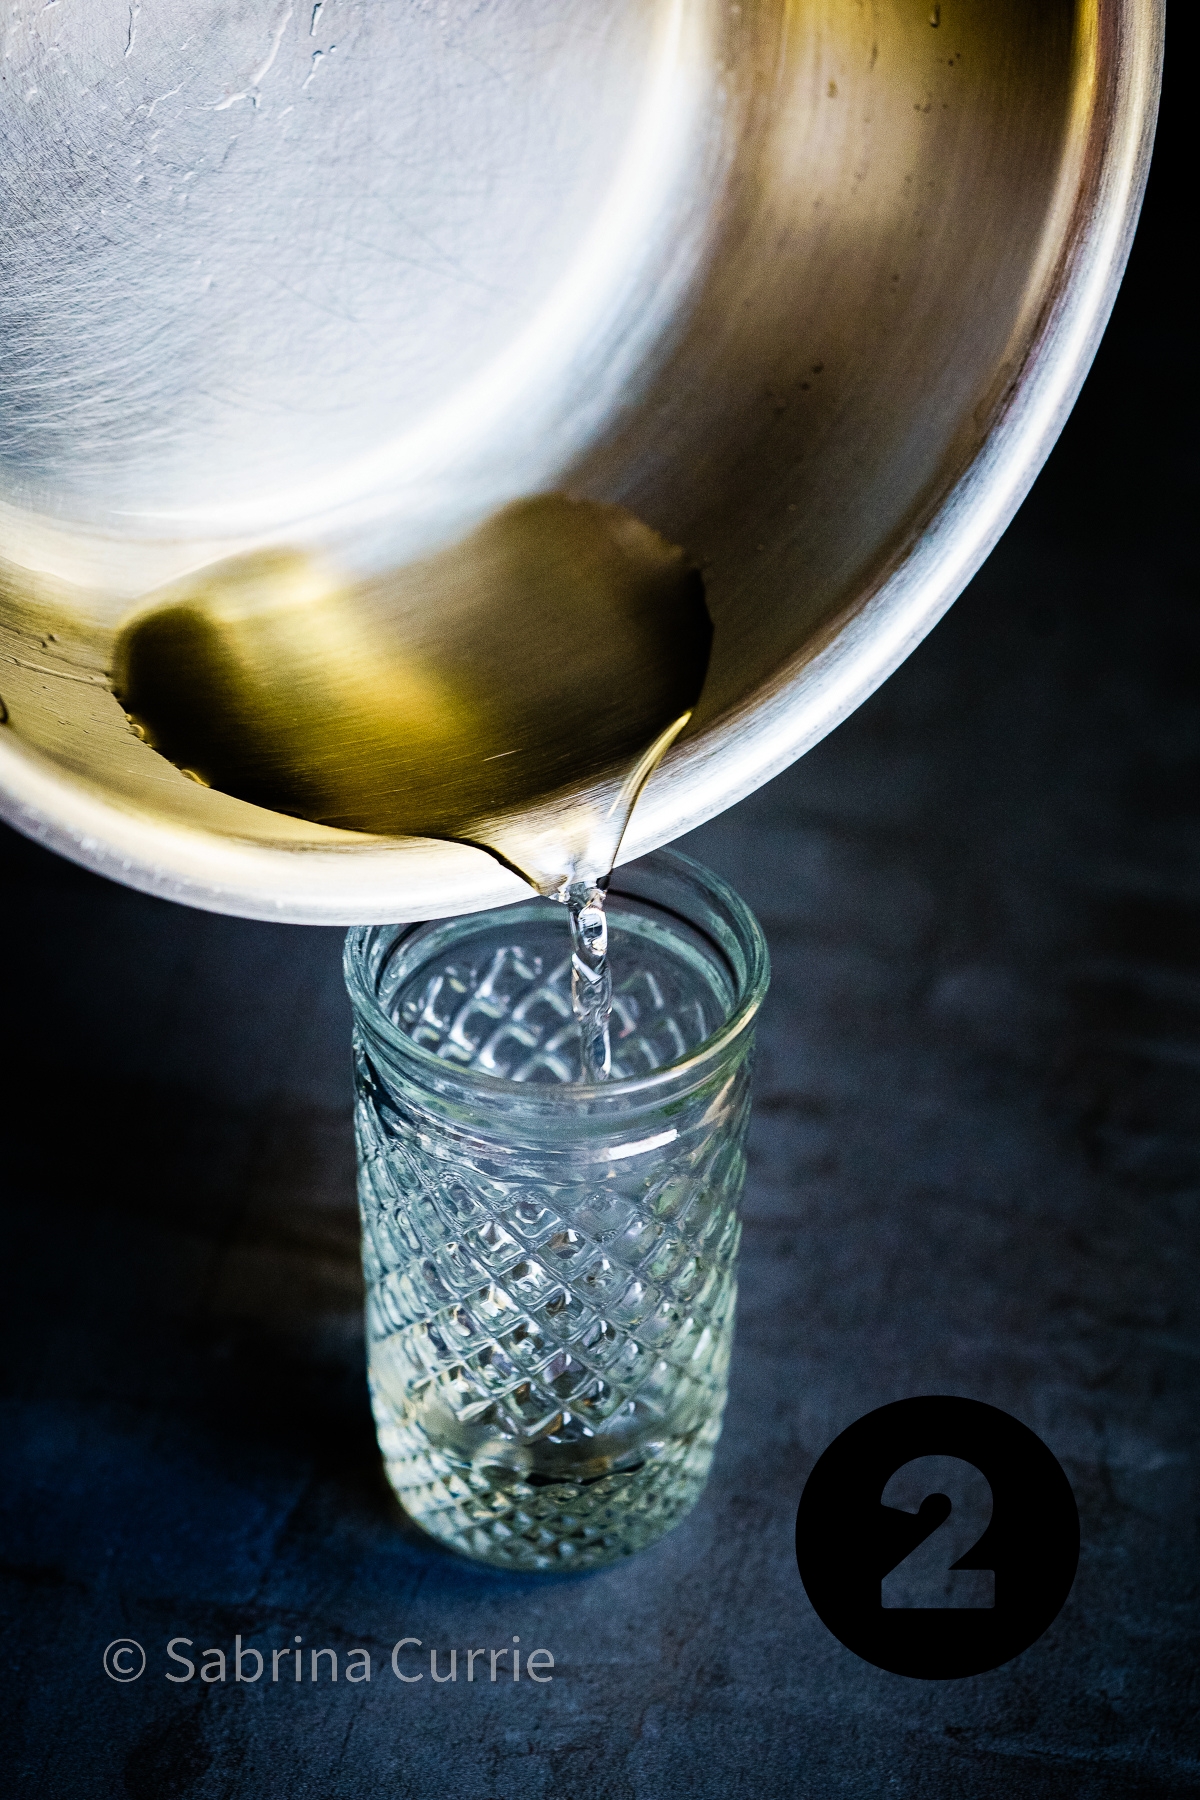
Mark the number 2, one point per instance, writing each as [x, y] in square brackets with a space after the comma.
[927, 1577]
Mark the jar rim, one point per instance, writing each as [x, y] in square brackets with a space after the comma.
[752, 979]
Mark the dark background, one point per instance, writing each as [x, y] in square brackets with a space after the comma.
[974, 1170]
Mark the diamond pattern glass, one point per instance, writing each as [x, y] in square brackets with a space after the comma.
[550, 1267]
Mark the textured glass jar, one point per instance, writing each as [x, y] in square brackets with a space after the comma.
[550, 1265]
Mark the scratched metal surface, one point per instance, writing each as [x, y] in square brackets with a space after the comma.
[975, 1169]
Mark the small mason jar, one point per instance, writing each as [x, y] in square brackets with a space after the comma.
[550, 1265]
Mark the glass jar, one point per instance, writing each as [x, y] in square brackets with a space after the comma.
[550, 1265]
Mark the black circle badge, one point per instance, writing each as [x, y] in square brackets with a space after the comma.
[937, 1537]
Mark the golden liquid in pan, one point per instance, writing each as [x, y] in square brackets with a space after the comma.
[557, 651]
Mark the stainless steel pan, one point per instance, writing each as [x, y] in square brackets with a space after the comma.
[805, 286]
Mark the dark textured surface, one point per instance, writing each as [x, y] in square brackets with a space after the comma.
[975, 1170]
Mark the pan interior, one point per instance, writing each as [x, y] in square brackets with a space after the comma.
[344, 283]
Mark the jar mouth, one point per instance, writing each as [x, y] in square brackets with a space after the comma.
[667, 883]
